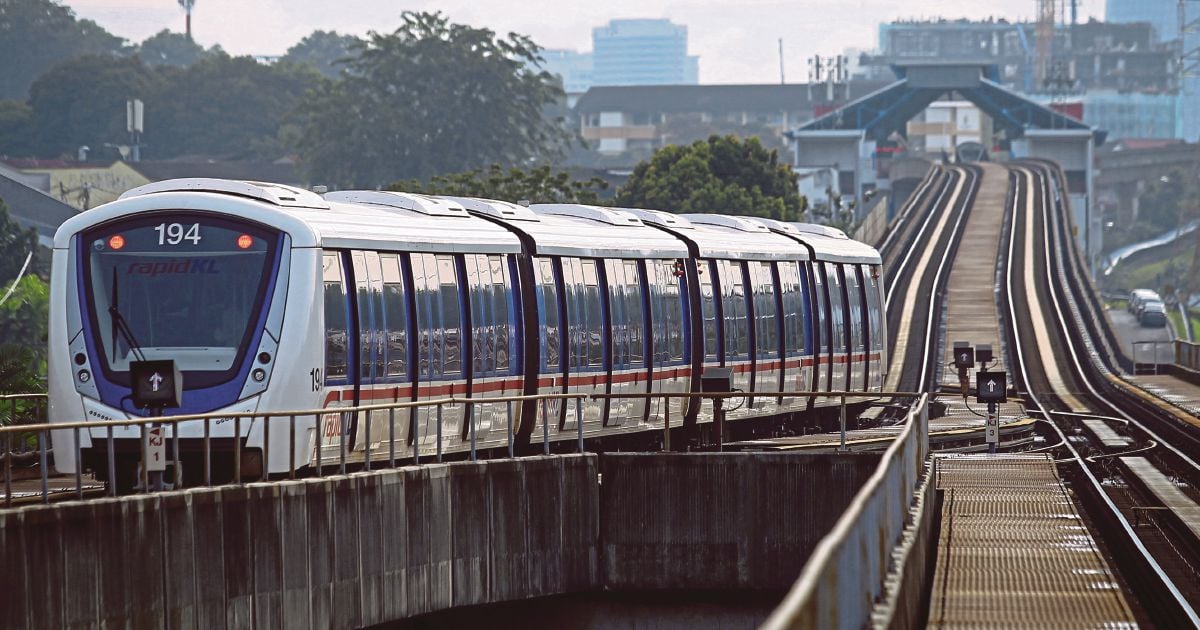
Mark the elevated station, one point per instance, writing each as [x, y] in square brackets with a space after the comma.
[846, 139]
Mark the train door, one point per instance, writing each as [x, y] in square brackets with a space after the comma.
[439, 338]
[628, 332]
[669, 338]
[823, 339]
[735, 328]
[340, 354]
[493, 344]
[876, 340]
[765, 315]
[368, 282]
[710, 312]
[551, 339]
[797, 376]
[394, 372]
[587, 337]
[856, 313]
[839, 348]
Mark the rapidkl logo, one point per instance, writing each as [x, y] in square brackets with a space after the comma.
[173, 267]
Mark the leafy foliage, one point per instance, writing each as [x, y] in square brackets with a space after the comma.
[325, 51]
[82, 102]
[722, 174]
[24, 315]
[536, 185]
[431, 97]
[223, 106]
[165, 48]
[37, 34]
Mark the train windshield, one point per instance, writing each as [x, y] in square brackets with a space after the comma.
[182, 288]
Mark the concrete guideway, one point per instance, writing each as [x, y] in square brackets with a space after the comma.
[1013, 550]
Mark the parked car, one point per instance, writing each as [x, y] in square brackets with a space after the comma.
[1153, 315]
[1141, 307]
[1137, 296]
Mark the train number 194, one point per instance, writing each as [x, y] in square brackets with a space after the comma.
[176, 233]
[315, 373]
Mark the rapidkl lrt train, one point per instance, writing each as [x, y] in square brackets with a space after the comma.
[271, 298]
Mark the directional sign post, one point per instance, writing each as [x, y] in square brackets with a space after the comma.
[991, 388]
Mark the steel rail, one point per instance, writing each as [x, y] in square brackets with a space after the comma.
[1018, 349]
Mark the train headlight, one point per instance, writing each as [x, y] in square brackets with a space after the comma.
[259, 375]
[84, 376]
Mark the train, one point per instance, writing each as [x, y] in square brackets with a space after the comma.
[270, 297]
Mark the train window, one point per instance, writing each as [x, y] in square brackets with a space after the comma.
[365, 327]
[634, 315]
[874, 307]
[335, 316]
[450, 315]
[572, 289]
[503, 313]
[708, 308]
[822, 303]
[733, 310]
[395, 316]
[765, 322]
[547, 298]
[855, 305]
[483, 353]
[837, 307]
[625, 312]
[793, 305]
[594, 317]
[425, 284]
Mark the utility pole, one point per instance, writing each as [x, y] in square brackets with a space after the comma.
[187, 6]
[782, 80]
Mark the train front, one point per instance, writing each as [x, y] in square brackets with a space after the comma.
[185, 277]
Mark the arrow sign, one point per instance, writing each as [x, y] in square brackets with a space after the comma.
[991, 387]
[156, 379]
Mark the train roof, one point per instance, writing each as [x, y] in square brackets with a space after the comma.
[724, 236]
[581, 230]
[829, 244]
[353, 219]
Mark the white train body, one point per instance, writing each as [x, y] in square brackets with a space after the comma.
[273, 299]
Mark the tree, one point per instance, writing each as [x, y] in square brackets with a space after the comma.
[24, 314]
[16, 126]
[432, 97]
[537, 185]
[326, 51]
[170, 49]
[82, 102]
[224, 106]
[37, 34]
[721, 175]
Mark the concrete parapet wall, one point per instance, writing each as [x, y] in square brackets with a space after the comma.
[338, 552]
[720, 520]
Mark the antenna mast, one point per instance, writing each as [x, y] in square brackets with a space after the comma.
[187, 6]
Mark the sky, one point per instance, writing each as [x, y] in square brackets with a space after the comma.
[737, 40]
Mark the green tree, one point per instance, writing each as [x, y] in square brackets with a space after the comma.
[170, 49]
[37, 34]
[224, 106]
[432, 97]
[722, 175]
[326, 51]
[16, 128]
[541, 184]
[24, 313]
[82, 102]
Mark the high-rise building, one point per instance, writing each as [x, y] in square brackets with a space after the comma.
[642, 52]
[573, 67]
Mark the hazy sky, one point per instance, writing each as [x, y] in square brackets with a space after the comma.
[737, 40]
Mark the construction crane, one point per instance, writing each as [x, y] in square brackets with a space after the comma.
[1044, 39]
[187, 6]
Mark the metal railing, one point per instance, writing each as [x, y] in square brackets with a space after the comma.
[1187, 354]
[842, 579]
[368, 417]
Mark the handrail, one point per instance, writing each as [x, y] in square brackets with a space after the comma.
[435, 402]
[1187, 354]
[838, 585]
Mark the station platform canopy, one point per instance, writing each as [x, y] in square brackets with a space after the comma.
[880, 114]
